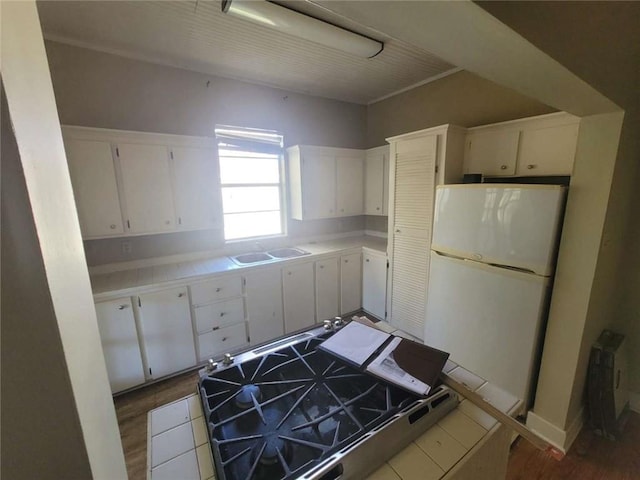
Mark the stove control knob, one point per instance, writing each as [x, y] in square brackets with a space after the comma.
[211, 366]
[338, 322]
[228, 359]
[328, 325]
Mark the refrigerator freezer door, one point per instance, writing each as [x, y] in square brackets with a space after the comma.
[505, 224]
[488, 318]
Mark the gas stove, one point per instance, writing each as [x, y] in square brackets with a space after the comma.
[288, 410]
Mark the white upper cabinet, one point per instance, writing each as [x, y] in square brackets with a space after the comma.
[196, 187]
[94, 187]
[492, 153]
[146, 184]
[536, 146]
[325, 182]
[548, 150]
[376, 183]
[132, 183]
[350, 184]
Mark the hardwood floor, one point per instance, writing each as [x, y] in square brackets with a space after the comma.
[590, 458]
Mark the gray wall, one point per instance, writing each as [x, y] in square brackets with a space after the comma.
[40, 429]
[96, 89]
[462, 99]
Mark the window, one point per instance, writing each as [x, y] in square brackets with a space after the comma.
[251, 181]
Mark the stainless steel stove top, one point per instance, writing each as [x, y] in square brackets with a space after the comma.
[288, 410]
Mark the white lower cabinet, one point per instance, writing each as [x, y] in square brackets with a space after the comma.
[120, 343]
[350, 283]
[327, 288]
[263, 291]
[299, 296]
[374, 283]
[222, 340]
[167, 333]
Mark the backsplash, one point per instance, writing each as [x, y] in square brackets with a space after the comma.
[111, 250]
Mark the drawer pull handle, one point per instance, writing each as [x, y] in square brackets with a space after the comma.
[215, 328]
[346, 261]
[122, 307]
[224, 339]
[218, 290]
[180, 295]
[321, 266]
[367, 260]
[531, 166]
[503, 167]
[112, 226]
[222, 314]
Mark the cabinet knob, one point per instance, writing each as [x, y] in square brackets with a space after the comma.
[346, 261]
[224, 339]
[397, 230]
[222, 314]
[367, 260]
[503, 167]
[218, 290]
[377, 208]
[321, 266]
[531, 166]
[112, 226]
[180, 295]
[288, 273]
[122, 307]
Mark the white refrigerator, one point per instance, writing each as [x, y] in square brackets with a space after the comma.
[492, 261]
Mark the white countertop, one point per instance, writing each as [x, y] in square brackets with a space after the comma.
[136, 279]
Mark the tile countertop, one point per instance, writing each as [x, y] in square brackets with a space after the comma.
[177, 445]
[136, 279]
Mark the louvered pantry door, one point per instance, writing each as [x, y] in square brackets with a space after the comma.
[413, 197]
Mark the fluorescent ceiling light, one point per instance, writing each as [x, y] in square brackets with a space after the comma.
[300, 25]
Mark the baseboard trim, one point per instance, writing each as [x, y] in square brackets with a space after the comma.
[562, 439]
[634, 402]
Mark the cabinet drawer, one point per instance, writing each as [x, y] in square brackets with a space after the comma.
[219, 314]
[214, 290]
[218, 342]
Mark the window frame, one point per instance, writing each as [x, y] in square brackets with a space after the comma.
[281, 185]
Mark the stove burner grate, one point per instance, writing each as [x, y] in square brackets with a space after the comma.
[275, 416]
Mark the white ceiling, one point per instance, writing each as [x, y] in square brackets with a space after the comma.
[195, 35]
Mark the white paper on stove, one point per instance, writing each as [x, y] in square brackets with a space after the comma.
[384, 366]
[355, 342]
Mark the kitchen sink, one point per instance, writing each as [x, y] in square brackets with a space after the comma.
[253, 257]
[287, 252]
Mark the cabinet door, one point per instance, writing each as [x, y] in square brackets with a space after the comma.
[196, 187]
[94, 186]
[492, 153]
[146, 184]
[350, 185]
[327, 289]
[548, 151]
[167, 332]
[298, 294]
[264, 305]
[374, 186]
[319, 185]
[120, 343]
[374, 284]
[350, 283]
